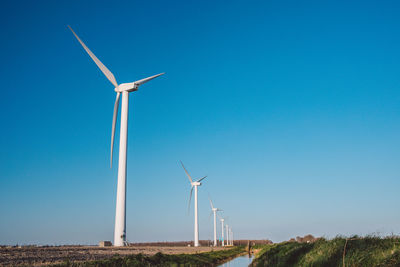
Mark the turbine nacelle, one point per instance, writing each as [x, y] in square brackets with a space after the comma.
[128, 87]
[196, 183]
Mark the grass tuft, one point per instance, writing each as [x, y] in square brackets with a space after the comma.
[360, 251]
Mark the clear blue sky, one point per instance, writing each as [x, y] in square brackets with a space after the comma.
[292, 109]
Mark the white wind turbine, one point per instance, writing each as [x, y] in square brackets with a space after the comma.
[214, 211]
[227, 234]
[125, 89]
[194, 184]
[222, 230]
[231, 235]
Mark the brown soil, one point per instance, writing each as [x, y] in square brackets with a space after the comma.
[39, 256]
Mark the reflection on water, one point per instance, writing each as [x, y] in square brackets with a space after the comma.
[239, 261]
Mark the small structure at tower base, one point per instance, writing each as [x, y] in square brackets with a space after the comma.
[105, 244]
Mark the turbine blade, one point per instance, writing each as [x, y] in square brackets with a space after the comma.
[201, 179]
[190, 178]
[145, 80]
[190, 198]
[212, 206]
[210, 215]
[116, 104]
[101, 66]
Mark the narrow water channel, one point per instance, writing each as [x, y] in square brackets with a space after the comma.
[240, 261]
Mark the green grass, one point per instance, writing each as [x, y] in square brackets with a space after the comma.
[360, 251]
[201, 259]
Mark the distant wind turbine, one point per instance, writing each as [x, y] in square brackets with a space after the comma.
[222, 230]
[232, 237]
[125, 89]
[214, 211]
[194, 184]
[227, 235]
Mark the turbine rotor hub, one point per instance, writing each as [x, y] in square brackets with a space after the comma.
[129, 87]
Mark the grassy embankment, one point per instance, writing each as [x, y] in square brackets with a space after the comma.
[365, 251]
[212, 258]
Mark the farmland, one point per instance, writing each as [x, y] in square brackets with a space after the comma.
[48, 255]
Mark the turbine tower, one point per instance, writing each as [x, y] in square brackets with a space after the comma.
[214, 210]
[227, 235]
[124, 89]
[222, 231]
[194, 184]
[232, 236]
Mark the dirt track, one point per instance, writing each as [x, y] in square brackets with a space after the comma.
[49, 255]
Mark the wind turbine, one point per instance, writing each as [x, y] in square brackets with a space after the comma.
[227, 234]
[214, 210]
[125, 89]
[222, 230]
[194, 184]
[232, 236]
